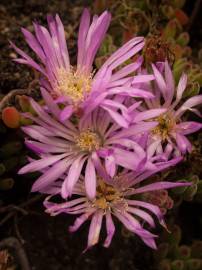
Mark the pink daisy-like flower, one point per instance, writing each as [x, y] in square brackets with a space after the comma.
[70, 146]
[116, 198]
[80, 88]
[172, 128]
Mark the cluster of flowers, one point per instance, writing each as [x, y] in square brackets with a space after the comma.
[101, 134]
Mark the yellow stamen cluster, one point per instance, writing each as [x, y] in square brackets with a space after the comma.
[106, 195]
[74, 84]
[88, 141]
[165, 126]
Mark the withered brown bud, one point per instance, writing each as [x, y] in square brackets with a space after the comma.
[157, 50]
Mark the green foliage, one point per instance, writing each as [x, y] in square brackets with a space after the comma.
[167, 29]
[6, 183]
[10, 148]
[172, 255]
[189, 192]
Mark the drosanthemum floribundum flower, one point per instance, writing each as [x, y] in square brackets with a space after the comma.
[172, 128]
[70, 146]
[117, 198]
[80, 88]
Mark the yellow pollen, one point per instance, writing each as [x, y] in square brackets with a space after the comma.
[74, 84]
[88, 141]
[165, 126]
[106, 195]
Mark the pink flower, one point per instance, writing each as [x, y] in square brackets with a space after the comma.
[172, 129]
[80, 88]
[70, 146]
[114, 198]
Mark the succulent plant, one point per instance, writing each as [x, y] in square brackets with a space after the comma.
[171, 255]
[12, 152]
[165, 34]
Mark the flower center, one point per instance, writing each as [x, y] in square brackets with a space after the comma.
[74, 84]
[166, 124]
[88, 141]
[106, 195]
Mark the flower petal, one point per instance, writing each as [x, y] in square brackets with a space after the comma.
[95, 227]
[149, 114]
[181, 86]
[183, 143]
[110, 165]
[79, 221]
[51, 175]
[158, 186]
[66, 113]
[110, 229]
[189, 127]
[37, 165]
[191, 102]
[90, 179]
[72, 177]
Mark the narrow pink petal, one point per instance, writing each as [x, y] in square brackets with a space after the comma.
[95, 227]
[149, 114]
[170, 84]
[134, 130]
[110, 165]
[94, 102]
[126, 159]
[96, 37]
[159, 167]
[142, 214]
[49, 120]
[160, 81]
[62, 42]
[54, 39]
[45, 40]
[151, 149]
[142, 78]
[51, 175]
[28, 60]
[50, 103]
[42, 130]
[133, 225]
[168, 150]
[33, 133]
[79, 221]
[183, 143]
[124, 57]
[181, 86]
[123, 50]
[33, 43]
[55, 207]
[191, 102]
[130, 91]
[117, 117]
[110, 229]
[72, 177]
[83, 30]
[158, 186]
[131, 145]
[189, 127]
[120, 82]
[44, 148]
[66, 113]
[99, 167]
[151, 207]
[37, 165]
[150, 242]
[90, 179]
[137, 228]
[127, 70]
